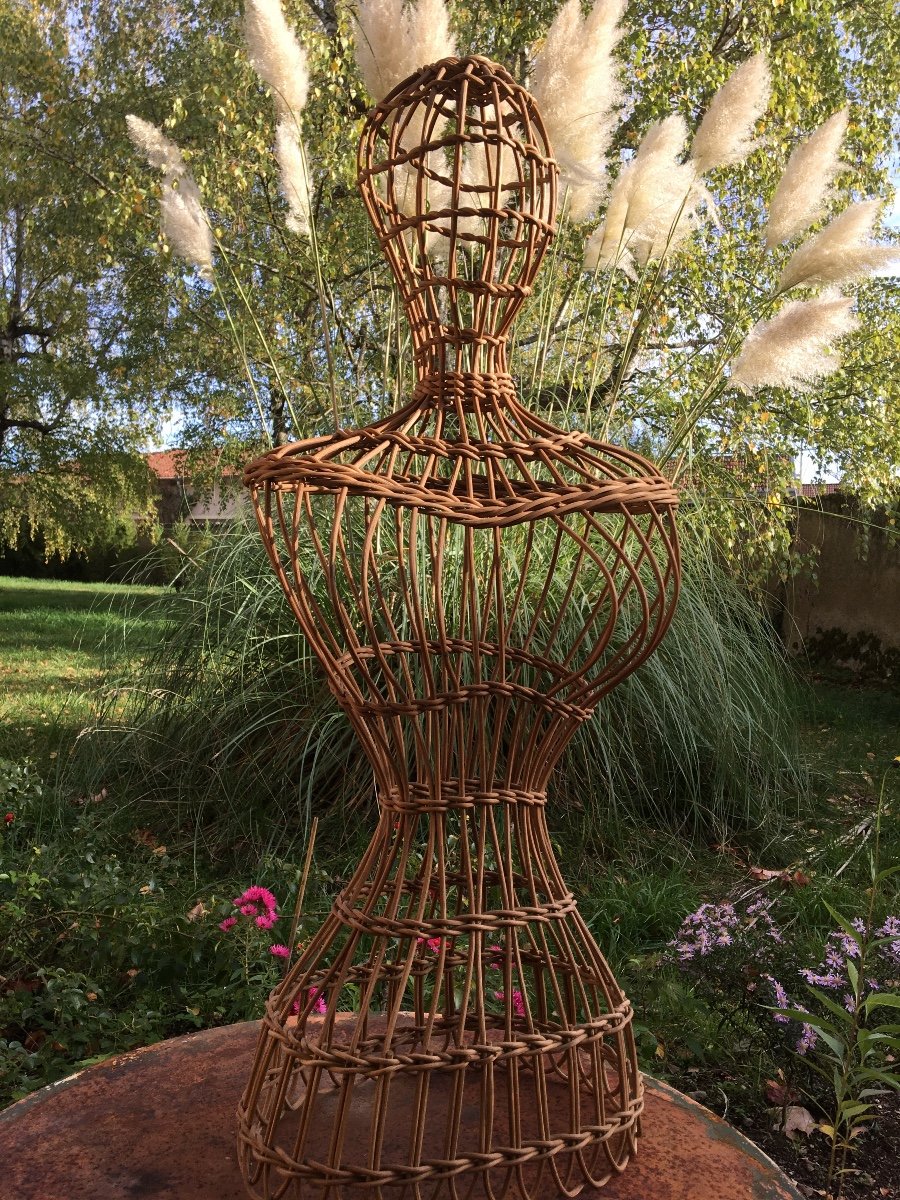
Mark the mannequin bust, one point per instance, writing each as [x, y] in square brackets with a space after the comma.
[472, 581]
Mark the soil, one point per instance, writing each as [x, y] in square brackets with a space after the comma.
[873, 1173]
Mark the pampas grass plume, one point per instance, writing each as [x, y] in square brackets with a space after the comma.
[800, 196]
[183, 221]
[841, 252]
[294, 176]
[601, 254]
[159, 151]
[393, 41]
[576, 85]
[654, 201]
[725, 133]
[276, 55]
[794, 348]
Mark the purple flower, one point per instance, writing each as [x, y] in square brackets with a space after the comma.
[890, 929]
[832, 980]
[781, 999]
[807, 1039]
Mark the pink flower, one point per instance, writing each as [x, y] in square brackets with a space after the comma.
[280, 951]
[319, 1006]
[227, 924]
[260, 903]
[258, 895]
[518, 1001]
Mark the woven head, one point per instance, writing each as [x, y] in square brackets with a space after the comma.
[457, 175]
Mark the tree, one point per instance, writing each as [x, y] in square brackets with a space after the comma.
[70, 420]
[250, 357]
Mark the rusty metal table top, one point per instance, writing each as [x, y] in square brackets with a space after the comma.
[160, 1122]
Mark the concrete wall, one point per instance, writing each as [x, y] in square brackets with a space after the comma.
[846, 612]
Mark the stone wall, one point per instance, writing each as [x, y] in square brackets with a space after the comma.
[846, 612]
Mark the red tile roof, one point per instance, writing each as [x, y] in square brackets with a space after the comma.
[166, 464]
[171, 464]
[809, 491]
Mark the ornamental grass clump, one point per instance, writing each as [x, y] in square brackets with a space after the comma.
[229, 704]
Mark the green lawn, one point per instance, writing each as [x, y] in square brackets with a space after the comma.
[54, 640]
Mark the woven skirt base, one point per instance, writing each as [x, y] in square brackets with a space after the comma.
[515, 1134]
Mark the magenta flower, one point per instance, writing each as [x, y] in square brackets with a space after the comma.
[227, 924]
[280, 951]
[518, 1001]
[259, 903]
[319, 1006]
[258, 895]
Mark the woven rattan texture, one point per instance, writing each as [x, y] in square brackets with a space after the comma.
[472, 581]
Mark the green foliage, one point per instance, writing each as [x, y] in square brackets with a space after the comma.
[75, 404]
[20, 786]
[853, 1043]
[106, 942]
[180, 548]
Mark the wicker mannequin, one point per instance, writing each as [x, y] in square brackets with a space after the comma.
[472, 580]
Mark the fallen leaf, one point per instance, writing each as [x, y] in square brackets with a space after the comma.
[786, 876]
[159, 851]
[778, 1094]
[798, 1119]
[197, 912]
